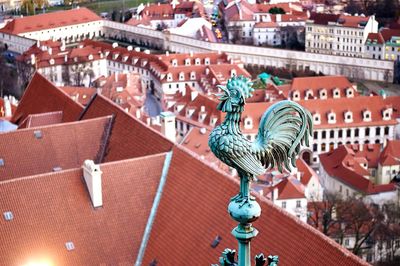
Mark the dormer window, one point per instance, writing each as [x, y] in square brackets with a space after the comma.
[181, 76]
[348, 117]
[296, 96]
[233, 73]
[366, 116]
[187, 62]
[387, 113]
[349, 93]
[336, 93]
[90, 57]
[115, 56]
[309, 94]
[192, 75]
[213, 121]
[323, 94]
[169, 77]
[189, 112]
[52, 61]
[248, 123]
[197, 61]
[175, 62]
[331, 117]
[317, 119]
[207, 61]
[202, 116]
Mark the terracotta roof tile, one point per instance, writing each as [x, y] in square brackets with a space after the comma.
[59, 210]
[65, 145]
[50, 20]
[43, 119]
[192, 213]
[41, 96]
[129, 137]
[391, 153]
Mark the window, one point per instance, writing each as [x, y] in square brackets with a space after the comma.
[283, 204]
[340, 133]
[356, 132]
[377, 131]
[323, 134]
[315, 134]
[348, 133]
[346, 242]
[332, 134]
[298, 203]
[386, 130]
[367, 131]
[315, 147]
[340, 188]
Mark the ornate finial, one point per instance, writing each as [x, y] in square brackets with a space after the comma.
[284, 127]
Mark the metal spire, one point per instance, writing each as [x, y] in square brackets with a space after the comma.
[284, 127]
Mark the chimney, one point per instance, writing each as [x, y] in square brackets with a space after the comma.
[65, 58]
[38, 44]
[50, 50]
[92, 176]
[193, 95]
[298, 175]
[167, 53]
[360, 147]
[116, 76]
[33, 59]
[202, 109]
[168, 125]
[279, 17]
[62, 47]
[275, 194]
[191, 53]
[7, 107]
[138, 114]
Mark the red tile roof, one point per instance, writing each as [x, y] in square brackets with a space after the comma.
[290, 188]
[375, 38]
[192, 213]
[315, 84]
[41, 96]
[129, 137]
[81, 95]
[50, 20]
[52, 209]
[374, 104]
[391, 153]
[341, 164]
[43, 119]
[62, 145]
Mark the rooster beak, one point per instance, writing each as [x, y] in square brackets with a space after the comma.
[223, 96]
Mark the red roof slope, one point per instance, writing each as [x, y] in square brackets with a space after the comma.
[193, 211]
[129, 137]
[37, 120]
[391, 153]
[41, 96]
[110, 235]
[62, 145]
[50, 20]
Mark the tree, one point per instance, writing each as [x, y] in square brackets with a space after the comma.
[359, 220]
[323, 216]
[353, 7]
[276, 10]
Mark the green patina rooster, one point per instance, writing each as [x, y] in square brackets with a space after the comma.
[284, 127]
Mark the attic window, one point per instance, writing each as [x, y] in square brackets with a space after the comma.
[69, 246]
[1, 162]
[216, 241]
[207, 61]
[174, 62]
[8, 216]
[38, 134]
[197, 61]
[187, 62]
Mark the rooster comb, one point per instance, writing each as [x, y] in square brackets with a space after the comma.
[242, 83]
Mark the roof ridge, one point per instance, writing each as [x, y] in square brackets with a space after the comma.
[105, 139]
[59, 124]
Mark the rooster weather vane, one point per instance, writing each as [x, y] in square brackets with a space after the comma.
[283, 129]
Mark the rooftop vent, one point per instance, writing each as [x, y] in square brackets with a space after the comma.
[203, 130]
[1, 162]
[8, 216]
[153, 263]
[57, 169]
[38, 134]
[216, 241]
[69, 246]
